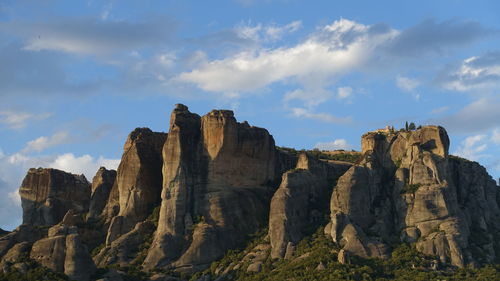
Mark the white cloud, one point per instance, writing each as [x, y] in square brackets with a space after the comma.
[334, 145]
[335, 49]
[407, 84]
[84, 164]
[42, 143]
[324, 117]
[472, 147]
[344, 92]
[495, 137]
[474, 73]
[68, 162]
[276, 32]
[329, 53]
[18, 120]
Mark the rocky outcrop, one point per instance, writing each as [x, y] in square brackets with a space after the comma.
[301, 202]
[47, 194]
[23, 233]
[126, 248]
[101, 187]
[63, 251]
[407, 189]
[213, 166]
[137, 188]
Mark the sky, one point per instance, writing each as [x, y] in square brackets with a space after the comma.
[77, 76]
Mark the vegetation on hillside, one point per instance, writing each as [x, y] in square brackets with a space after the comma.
[347, 156]
[406, 263]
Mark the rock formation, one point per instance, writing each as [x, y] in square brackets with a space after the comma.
[301, 202]
[101, 187]
[213, 167]
[407, 189]
[180, 201]
[63, 251]
[47, 194]
[137, 188]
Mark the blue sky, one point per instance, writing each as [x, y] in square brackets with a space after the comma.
[77, 76]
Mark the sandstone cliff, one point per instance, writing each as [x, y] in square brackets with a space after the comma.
[136, 190]
[63, 251]
[101, 187]
[407, 189]
[47, 194]
[301, 202]
[217, 179]
[180, 201]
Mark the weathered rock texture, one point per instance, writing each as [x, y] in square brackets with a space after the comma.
[126, 248]
[407, 189]
[101, 187]
[47, 194]
[301, 202]
[63, 251]
[217, 175]
[137, 188]
[23, 233]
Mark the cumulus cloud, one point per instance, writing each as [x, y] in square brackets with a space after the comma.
[334, 145]
[68, 162]
[92, 35]
[18, 119]
[84, 164]
[42, 143]
[474, 73]
[479, 116]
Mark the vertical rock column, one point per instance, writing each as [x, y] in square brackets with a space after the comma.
[137, 188]
[217, 174]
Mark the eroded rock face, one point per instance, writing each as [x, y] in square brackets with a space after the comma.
[47, 194]
[213, 166]
[123, 250]
[101, 187]
[63, 251]
[137, 188]
[301, 202]
[407, 189]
